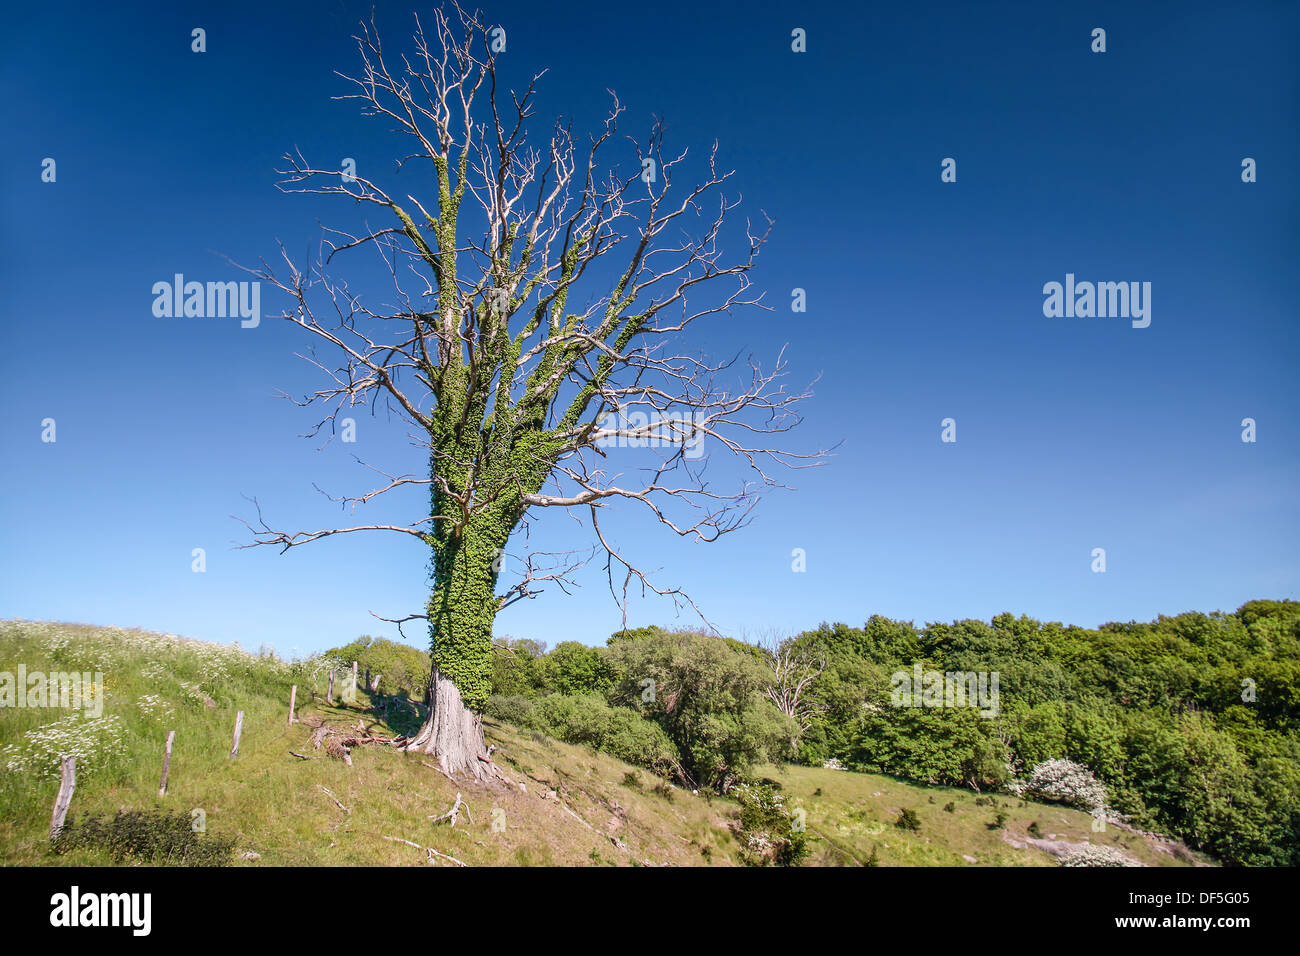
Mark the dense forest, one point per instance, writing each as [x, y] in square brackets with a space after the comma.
[1189, 722]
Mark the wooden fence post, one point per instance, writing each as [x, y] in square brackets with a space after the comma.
[374, 684]
[167, 763]
[67, 784]
[352, 691]
[293, 700]
[329, 694]
[239, 729]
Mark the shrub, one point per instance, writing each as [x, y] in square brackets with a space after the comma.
[708, 696]
[664, 789]
[766, 829]
[512, 709]
[940, 746]
[403, 669]
[617, 731]
[516, 666]
[1064, 781]
[908, 820]
[1089, 855]
[153, 836]
[575, 668]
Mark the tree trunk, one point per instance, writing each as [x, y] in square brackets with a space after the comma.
[462, 607]
[452, 733]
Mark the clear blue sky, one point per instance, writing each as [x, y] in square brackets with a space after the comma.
[924, 302]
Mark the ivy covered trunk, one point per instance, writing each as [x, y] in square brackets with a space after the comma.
[486, 457]
[461, 610]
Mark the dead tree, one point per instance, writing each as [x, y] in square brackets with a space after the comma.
[533, 330]
[793, 667]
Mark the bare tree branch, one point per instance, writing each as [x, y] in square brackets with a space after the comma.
[517, 398]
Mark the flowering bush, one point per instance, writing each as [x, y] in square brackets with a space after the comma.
[1089, 855]
[769, 834]
[1064, 781]
[94, 741]
[155, 707]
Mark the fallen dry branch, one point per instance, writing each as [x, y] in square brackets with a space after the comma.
[429, 851]
[452, 815]
[356, 741]
[336, 749]
[336, 800]
[339, 743]
[576, 817]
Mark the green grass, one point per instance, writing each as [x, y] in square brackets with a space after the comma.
[575, 806]
[850, 814]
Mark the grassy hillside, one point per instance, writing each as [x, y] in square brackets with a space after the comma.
[571, 806]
